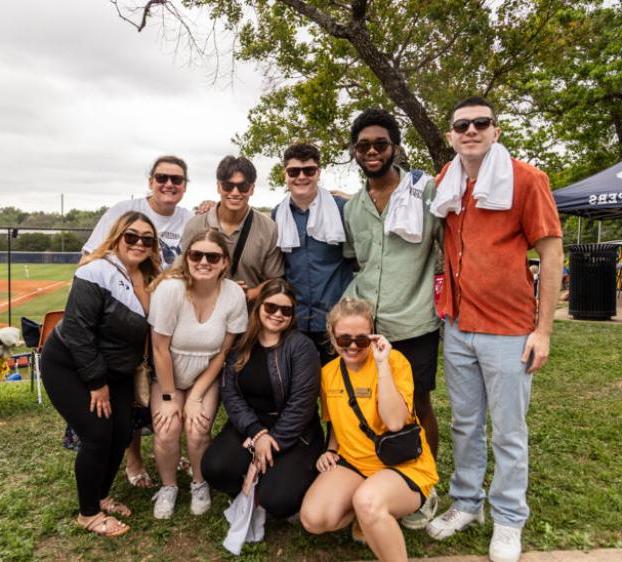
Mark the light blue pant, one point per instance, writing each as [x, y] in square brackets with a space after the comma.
[484, 371]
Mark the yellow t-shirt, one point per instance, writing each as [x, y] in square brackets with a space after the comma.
[353, 445]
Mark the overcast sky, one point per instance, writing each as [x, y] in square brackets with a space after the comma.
[87, 104]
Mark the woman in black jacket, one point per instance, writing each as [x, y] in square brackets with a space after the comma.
[270, 388]
[89, 361]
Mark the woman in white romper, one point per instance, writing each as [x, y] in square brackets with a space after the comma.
[195, 314]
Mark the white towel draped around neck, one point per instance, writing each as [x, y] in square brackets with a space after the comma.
[405, 211]
[493, 189]
[324, 222]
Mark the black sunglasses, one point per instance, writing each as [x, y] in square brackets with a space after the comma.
[308, 171]
[175, 179]
[364, 146]
[229, 186]
[211, 257]
[345, 340]
[131, 239]
[271, 308]
[480, 123]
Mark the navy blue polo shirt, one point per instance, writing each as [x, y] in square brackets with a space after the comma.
[318, 272]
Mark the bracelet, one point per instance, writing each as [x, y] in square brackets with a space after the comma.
[331, 451]
[257, 436]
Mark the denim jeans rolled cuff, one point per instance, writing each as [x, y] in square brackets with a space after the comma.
[484, 372]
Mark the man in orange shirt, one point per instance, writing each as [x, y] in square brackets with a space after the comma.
[496, 335]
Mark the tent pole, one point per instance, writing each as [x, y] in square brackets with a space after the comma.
[600, 224]
[579, 232]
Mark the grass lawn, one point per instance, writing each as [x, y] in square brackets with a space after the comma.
[575, 489]
[35, 308]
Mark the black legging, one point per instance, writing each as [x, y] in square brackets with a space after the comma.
[103, 440]
[281, 489]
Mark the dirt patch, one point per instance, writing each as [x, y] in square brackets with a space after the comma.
[24, 290]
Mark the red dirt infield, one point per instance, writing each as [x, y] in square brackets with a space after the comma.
[24, 290]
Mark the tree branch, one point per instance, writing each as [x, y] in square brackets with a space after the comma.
[359, 10]
[145, 10]
[327, 23]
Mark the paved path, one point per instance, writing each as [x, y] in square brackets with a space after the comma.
[600, 555]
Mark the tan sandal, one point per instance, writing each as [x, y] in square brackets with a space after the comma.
[104, 525]
[140, 479]
[110, 505]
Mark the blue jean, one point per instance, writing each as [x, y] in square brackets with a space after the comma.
[484, 372]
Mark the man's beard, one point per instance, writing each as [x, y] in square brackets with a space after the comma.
[381, 171]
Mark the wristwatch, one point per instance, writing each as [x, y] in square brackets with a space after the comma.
[167, 397]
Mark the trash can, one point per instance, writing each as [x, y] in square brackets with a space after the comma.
[593, 281]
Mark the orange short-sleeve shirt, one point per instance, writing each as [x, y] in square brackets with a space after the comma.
[487, 284]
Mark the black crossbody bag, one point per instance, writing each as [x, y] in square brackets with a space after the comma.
[392, 447]
[239, 247]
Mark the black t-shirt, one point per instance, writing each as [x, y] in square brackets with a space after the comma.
[254, 382]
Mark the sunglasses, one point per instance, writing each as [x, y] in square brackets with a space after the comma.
[308, 171]
[229, 186]
[480, 123]
[345, 340]
[364, 146]
[163, 178]
[272, 308]
[212, 257]
[132, 239]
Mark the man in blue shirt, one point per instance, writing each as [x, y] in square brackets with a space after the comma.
[311, 236]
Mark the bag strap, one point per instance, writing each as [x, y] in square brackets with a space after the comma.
[353, 403]
[239, 247]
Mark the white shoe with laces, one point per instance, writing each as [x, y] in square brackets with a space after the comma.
[200, 501]
[165, 499]
[505, 545]
[452, 521]
[419, 519]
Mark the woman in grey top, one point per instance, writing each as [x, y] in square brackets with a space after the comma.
[195, 314]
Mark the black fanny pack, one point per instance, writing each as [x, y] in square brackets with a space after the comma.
[392, 447]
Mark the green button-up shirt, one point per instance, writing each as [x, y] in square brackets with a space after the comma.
[395, 276]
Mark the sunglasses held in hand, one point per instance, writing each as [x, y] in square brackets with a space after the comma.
[345, 340]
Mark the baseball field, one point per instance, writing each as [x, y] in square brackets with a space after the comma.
[36, 289]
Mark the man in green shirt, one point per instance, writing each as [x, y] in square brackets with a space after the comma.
[396, 269]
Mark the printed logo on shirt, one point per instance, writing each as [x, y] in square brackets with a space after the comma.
[169, 253]
[124, 284]
[334, 392]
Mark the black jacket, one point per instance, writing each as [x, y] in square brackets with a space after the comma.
[294, 367]
[104, 327]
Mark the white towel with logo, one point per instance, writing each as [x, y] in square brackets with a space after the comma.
[494, 188]
[324, 222]
[405, 212]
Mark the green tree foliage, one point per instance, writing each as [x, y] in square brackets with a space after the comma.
[31, 241]
[552, 67]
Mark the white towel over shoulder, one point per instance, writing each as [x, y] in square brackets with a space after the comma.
[324, 222]
[493, 190]
[405, 212]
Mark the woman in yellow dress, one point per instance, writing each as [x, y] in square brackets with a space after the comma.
[353, 481]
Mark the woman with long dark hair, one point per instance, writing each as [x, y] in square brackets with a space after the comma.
[89, 361]
[270, 387]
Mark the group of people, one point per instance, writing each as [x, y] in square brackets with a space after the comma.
[332, 301]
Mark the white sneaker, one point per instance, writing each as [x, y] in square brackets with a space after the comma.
[201, 500]
[165, 499]
[505, 545]
[451, 521]
[419, 519]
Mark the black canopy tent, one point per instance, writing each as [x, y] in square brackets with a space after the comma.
[598, 197]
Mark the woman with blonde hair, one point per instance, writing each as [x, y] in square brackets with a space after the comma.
[89, 361]
[195, 314]
[353, 480]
